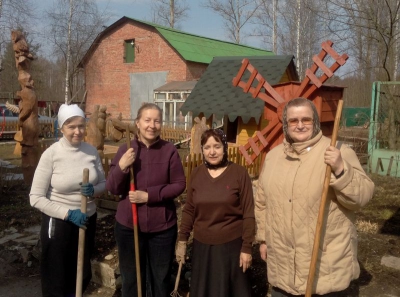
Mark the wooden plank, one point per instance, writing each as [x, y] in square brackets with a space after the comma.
[313, 78]
[250, 81]
[314, 67]
[261, 138]
[254, 146]
[267, 99]
[239, 75]
[339, 59]
[273, 93]
[322, 66]
[245, 154]
[257, 90]
[379, 165]
[390, 166]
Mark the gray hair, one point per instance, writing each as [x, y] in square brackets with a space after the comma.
[296, 102]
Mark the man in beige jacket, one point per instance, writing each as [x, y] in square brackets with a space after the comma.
[287, 204]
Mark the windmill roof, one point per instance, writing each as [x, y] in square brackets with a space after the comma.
[215, 93]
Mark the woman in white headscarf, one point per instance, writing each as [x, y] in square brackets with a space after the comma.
[56, 191]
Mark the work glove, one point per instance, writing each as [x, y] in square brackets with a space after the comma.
[87, 189]
[77, 217]
[180, 252]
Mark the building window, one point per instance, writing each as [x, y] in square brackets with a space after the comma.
[170, 103]
[129, 56]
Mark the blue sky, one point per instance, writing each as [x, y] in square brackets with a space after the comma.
[201, 21]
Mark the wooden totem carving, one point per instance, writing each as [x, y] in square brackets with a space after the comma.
[197, 130]
[28, 106]
[97, 128]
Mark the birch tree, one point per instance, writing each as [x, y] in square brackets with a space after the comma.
[236, 14]
[73, 27]
[291, 27]
[169, 13]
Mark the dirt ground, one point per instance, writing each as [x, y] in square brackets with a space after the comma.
[378, 227]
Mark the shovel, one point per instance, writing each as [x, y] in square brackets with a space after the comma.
[81, 244]
[135, 220]
[175, 293]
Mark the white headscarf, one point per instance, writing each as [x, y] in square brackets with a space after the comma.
[68, 111]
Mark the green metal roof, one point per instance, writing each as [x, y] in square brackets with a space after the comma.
[191, 47]
[215, 94]
[201, 49]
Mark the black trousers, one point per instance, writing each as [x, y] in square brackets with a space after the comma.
[156, 256]
[216, 271]
[59, 256]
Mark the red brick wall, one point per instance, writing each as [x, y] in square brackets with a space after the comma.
[107, 76]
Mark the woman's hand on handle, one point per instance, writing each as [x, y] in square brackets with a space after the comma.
[333, 158]
[138, 197]
[127, 159]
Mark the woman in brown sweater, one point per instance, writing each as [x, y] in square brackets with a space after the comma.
[220, 211]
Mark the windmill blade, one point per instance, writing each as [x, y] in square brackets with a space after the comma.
[262, 83]
[306, 89]
[259, 142]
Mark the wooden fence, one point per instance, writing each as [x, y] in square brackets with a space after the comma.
[175, 135]
[189, 162]
[46, 128]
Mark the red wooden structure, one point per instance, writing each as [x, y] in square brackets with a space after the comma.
[275, 97]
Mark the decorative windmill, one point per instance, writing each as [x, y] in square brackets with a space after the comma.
[276, 97]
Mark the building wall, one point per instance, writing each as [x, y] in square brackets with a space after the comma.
[108, 77]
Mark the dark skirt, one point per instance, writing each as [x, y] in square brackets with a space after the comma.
[216, 271]
[59, 240]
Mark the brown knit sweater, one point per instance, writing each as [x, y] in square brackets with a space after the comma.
[219, 209]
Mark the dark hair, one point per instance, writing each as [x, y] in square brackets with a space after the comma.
[220, 137]
[296, 102]
[146, 106]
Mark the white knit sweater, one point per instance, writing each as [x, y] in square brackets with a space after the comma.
[55, 187]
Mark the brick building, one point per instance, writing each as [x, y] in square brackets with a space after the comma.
[130, 59]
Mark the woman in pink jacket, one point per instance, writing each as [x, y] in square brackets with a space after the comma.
[287, 204]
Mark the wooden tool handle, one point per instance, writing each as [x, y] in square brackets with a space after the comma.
[135, 219]
[321, 213]
[81, 243]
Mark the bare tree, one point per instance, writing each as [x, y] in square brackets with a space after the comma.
[291, 27]
[14, 14]
[169, 12]
[73, 27]
[236, 14]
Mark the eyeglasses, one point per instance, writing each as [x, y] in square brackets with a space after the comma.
[305, 121]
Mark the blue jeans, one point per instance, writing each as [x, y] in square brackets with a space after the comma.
[156, 252]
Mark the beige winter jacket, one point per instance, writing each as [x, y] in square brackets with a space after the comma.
[286, 209]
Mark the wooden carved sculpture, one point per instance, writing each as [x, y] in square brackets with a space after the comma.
[28, 106]
[119, 128]
[97, 128]
[197, 130]
[276, 97]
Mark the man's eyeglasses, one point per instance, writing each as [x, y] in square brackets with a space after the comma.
[305, 121]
